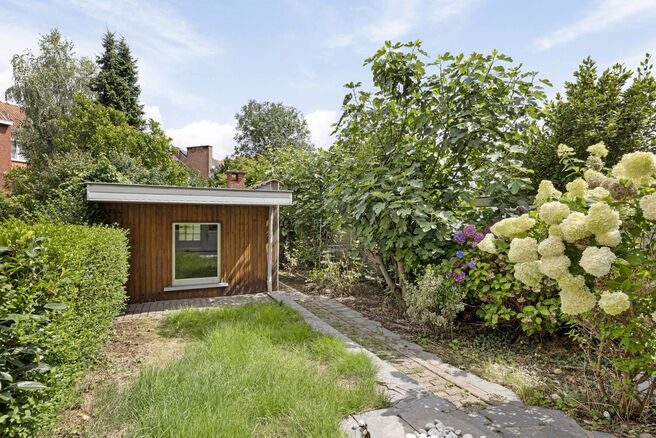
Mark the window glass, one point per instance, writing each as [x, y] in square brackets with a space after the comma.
[196, 254]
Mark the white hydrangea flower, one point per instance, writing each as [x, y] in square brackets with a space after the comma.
[577, 188]
[597, 261]
[648, 207]
[513, 226]
[601, 218]
[551, 246]
[575, 297]
[590, 173]
[611, 238]
[626, 211]
[556, 230]
[528, 273]
[487, 244]
[573, 227]
[597, 193]
[546, 192]
[563, 149]
[523, 250]
[555, 267]
[653, 316]
[614, 303]
[598, 149]
[553, 212]
[637, 167]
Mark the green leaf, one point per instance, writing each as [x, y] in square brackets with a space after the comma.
[29, 386]
[55, 306]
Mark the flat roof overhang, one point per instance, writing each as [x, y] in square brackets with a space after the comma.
[140, 193]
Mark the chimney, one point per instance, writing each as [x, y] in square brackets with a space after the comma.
[235, 179]
[200, 158]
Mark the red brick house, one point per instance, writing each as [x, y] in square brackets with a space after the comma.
[199, 158]
[10, 156]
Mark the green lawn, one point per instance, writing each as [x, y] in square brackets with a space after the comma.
[252, 371]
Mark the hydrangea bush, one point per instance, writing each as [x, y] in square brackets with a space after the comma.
[491, 287]
[596, 243]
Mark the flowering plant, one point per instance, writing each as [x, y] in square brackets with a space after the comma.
[596, 243]
[492, 289]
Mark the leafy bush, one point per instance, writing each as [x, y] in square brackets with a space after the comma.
[414, 152]
[435, 301]
[62, 287]
[596, 242]
[339, 276]
[491, 288]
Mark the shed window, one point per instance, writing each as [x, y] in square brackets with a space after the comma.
[196, 253]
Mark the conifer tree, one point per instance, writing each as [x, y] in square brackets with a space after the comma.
[116, 82]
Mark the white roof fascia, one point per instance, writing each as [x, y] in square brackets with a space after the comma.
[138, 193]
[6, 122]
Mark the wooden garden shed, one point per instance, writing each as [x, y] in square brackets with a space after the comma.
[192, 242]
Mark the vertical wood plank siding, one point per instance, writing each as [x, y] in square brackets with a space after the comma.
[244, 238]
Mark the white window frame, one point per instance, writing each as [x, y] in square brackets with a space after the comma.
[202, 280]
[19, 156]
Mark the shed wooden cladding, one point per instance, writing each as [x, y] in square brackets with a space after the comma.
[244, 238]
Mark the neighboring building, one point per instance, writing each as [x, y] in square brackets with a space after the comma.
[192, 242]
[199, 158]
[10, 155]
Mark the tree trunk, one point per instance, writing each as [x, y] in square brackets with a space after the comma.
[403, 280]
[382, 268]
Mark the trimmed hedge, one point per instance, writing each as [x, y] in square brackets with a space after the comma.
[61, 287]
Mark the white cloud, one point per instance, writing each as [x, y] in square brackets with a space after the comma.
[152, 112]
[320, 122]
[396, 18]
[205, 132]
[603, 15]
[152, 25]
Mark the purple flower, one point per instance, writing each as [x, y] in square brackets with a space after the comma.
[469, 231]
[520, 209]
[488, 230]
[459, 237]
[471, 264]
[459, 278]
[479, 237]
[456, 264]
[460, 254]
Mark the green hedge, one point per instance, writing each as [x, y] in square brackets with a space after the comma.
[61, 287]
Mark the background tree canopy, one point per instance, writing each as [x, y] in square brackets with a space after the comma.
[262, 125]
[617, 107]
[46, 86]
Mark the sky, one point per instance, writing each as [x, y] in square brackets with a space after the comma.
[201, 61]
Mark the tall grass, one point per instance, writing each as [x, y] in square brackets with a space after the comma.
[254, 371]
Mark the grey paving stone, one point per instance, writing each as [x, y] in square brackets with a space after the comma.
[383, 423]
[474, 424]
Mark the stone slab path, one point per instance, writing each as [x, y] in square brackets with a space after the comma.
[442, 395]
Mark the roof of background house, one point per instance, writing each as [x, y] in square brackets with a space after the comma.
[11, 113]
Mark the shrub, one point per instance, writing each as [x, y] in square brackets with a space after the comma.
[62, 287]
[601, 256]
[338, 276]
[492, 289]
[434, 301]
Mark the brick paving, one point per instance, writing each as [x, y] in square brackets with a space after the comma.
[159, 308]
[465, 390]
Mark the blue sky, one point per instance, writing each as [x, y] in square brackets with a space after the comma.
[200, 61]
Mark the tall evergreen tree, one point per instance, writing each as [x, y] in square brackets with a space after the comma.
[116, 82]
